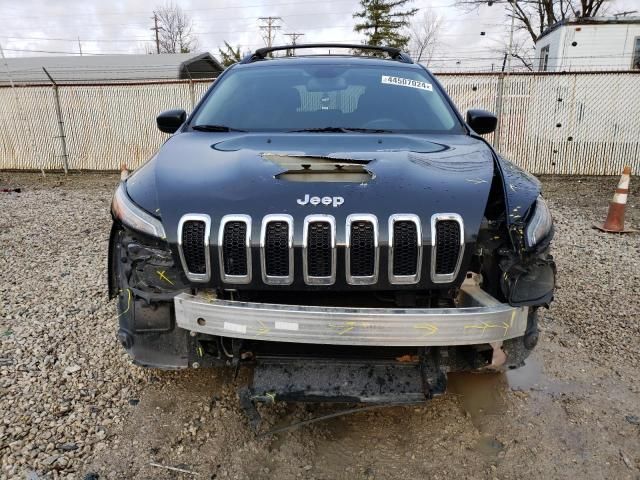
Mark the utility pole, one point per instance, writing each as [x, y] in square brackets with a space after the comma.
[79, 46]
[501, 81]
[511, 39]
[269, 28]
[157, 29]
[294, 37]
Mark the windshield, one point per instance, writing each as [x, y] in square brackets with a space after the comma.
[328, 97]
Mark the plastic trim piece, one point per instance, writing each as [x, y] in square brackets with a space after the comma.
[206, 219]
[246, 219]
[273, 279]
[369, 279]
[405, 279]
[445, 277]
[308, 279]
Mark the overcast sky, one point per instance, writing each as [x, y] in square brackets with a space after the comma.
[47, 27]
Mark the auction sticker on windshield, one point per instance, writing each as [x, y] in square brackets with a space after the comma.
[406, 82]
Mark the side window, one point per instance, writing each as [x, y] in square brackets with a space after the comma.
[636, 55]
[544, 59]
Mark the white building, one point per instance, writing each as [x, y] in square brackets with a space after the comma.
[605, 43]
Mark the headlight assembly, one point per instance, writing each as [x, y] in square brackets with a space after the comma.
[133, 216]
[539, 224]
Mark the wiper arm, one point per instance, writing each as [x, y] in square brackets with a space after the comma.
[215, 128]
[367, 130]
[320, 130]
[341, 130]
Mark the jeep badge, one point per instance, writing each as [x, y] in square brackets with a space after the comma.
[335, 201]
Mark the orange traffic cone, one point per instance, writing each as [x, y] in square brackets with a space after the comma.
[615, 218]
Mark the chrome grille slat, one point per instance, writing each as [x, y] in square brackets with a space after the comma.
[446, 253]
[361, 252]
[194, 230]
[319, 250]
[405, 249]
[234, 248]
[276, 249]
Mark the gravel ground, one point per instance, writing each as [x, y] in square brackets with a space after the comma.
[74, 407]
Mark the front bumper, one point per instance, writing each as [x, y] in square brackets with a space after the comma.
[478, 319]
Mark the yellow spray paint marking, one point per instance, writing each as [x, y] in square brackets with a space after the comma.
[263, 328]
[162, 276]
[484, 326]
[128, 303]
[346, 327]
[428, 328]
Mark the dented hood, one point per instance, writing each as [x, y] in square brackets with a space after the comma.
[260, 174]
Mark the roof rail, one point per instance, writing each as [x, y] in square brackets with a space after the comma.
[261, 53]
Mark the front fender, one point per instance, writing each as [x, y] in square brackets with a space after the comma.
[521, 189]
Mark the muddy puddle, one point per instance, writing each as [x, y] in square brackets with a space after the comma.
[483, 396]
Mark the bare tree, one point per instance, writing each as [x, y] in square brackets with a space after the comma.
[534, 16]
[424, 36]
[522, 50]
[175, 30]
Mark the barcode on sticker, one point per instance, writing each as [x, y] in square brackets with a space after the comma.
[235, 327]
[407, 82]
[286, 326]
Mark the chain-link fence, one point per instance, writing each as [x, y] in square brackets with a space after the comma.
[574, 123]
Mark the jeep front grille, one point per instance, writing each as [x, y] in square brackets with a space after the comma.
[319, 250]
[405, 249]
[361, 252]
[193, 246]
[404, 257]
[234, 247]
[447, 247]
[276, 245]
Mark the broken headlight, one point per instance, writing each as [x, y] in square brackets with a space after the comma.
[133, 216]
[539, 224]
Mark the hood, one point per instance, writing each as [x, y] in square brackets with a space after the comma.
[260, 174]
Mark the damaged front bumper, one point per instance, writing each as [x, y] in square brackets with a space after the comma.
[478, 319]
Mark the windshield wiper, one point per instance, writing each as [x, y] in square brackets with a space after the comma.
[340, 130]
[368, 130]
[215, 128]
[320, 130]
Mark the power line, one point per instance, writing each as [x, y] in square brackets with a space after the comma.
[269, 28]
[258, 5]
[294, 38]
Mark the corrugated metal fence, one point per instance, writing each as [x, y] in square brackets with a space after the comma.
[574, 123]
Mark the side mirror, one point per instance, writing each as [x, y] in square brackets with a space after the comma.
[170, 121]
[481, 121]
